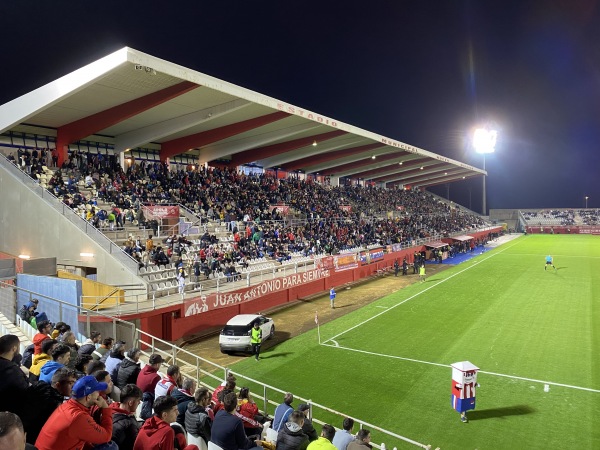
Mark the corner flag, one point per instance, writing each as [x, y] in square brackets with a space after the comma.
[318, 327]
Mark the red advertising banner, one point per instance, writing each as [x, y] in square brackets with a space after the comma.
[282, 209]
[162, 212]
[347, 208]
[589, 230]
[324, 263]
[214, 301]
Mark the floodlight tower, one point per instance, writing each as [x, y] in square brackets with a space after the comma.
[586, 199]
[484, 141]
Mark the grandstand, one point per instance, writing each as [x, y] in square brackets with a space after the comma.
[259, 202]
[262, 204]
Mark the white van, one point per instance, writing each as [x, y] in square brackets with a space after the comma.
[235, 337]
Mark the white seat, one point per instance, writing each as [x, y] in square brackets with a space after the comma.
[197, 441]
[265, 430]
[271, 435]
[213, 446]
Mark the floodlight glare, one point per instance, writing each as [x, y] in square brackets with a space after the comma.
[484, 140]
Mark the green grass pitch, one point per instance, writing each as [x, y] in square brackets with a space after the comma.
[387, 363]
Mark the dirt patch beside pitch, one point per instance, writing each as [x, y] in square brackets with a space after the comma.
[299, 317]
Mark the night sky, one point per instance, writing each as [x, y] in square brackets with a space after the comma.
[422, 72]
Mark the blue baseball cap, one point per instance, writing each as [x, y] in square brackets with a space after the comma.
[86, 386]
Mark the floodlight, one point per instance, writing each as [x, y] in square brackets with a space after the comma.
[484, 140]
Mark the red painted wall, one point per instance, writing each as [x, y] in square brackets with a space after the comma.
[154, 322]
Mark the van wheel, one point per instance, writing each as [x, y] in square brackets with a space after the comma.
[272, 333]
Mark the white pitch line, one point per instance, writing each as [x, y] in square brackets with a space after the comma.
[419, 293]
[554, 256]
[533, 380]
[380, 306]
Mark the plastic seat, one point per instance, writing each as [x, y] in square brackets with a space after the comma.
[213, 446]
[196, 441]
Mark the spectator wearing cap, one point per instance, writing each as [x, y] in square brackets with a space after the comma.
[129, 369]
[343, 437]
[27, 312]
[71, 426]
[60, 358]
[104, 348]
[156, 433]
[291, 436]
[44, 329]
[362, 441]
[283, 411]
[116, 356]
[90, 344]
[324, 441]
[13, 382]
[308, 427]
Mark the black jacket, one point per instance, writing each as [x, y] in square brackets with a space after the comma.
[13, 385]
[291, 437]
[182, 405]
[197, 422]
[128, 373]
[309, 430]
[46, 399]
[125, 428]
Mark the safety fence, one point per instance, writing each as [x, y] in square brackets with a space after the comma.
[206, 372]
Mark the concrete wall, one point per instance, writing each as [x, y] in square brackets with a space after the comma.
[508, 216]
[31, 226]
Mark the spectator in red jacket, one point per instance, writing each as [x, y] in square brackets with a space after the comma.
[247, 411]
[71, 425]
[156, 433]
[148, 376]
[44, 329]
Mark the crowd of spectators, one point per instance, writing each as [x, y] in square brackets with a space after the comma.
[108, 401]
[322, 219]
[590, 216]
[551, 217]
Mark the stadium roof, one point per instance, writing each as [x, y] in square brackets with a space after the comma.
[137, 100]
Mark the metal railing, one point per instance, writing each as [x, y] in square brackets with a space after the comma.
[206, 372]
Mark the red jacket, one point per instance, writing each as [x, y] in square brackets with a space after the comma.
[156, 434]
[37, 342]
[147, 379]
[246, 411]
[71, 426]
